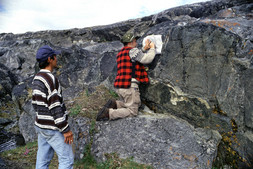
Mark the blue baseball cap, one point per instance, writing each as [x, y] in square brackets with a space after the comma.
[44, 52]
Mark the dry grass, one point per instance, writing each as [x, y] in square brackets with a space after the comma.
[25, 157]
[88, 104]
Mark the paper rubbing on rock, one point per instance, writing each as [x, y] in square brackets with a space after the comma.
[157, 39]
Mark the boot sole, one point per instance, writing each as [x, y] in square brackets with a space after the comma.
[99, 114]
[109, 102]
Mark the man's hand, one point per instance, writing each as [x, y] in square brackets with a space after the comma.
[68, 137]
[152, 45]
[148, 44]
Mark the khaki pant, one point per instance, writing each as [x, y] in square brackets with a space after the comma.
[128, 106]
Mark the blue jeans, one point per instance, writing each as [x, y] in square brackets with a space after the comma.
[50, 141]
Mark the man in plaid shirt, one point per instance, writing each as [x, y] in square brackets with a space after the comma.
[130, 72]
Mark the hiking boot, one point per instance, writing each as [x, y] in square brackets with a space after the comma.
[111, 104]
[103, 114]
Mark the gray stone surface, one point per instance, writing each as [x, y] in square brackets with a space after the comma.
[161, 141]
[81, 130]
[26, 123]
[7, 82]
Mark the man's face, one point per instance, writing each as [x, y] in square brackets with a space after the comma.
[54, 62]
[134, 43]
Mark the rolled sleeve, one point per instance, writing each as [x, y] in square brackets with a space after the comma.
[142, 57]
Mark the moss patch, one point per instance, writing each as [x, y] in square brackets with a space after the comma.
[226, 155]
[8, 110]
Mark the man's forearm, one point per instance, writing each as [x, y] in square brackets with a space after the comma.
[148, 57]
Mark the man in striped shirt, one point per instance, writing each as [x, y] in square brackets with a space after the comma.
[54, 134]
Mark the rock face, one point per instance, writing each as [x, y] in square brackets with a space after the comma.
[161, 141]
[7, 82]
[203, 76]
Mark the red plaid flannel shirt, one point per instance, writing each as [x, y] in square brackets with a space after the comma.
[124, 72]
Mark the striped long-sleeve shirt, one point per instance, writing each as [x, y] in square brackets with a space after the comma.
[48, 103]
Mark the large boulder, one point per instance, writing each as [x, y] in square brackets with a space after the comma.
[161, 141]
[26, 123]
[81, 130]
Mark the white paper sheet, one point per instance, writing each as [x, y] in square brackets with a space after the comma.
[157, 40]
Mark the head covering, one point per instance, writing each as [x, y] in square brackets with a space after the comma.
[128, 37]
[44, 52]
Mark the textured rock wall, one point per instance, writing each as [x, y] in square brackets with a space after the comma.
[162, 141]
[203, 76]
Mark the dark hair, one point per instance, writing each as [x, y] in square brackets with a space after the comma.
[45, 63]
[125, 43]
